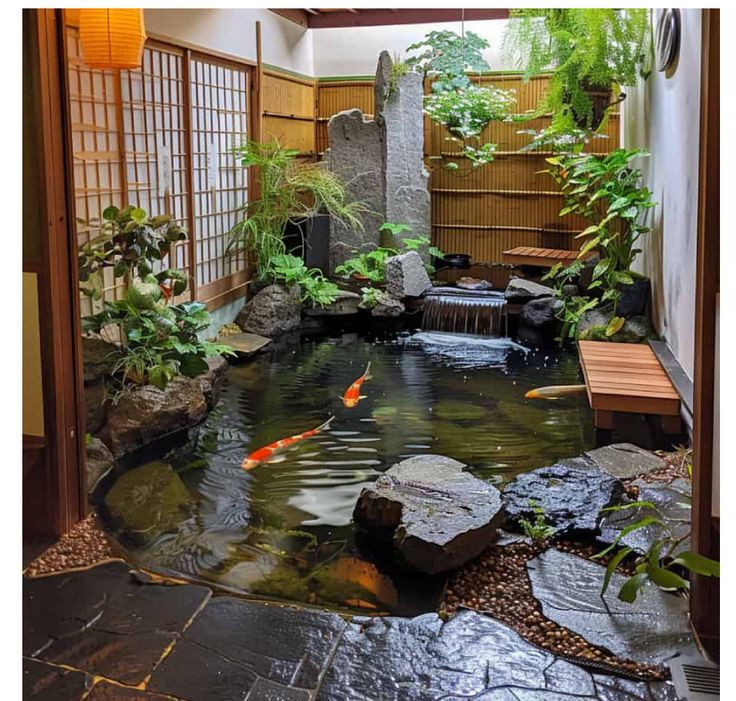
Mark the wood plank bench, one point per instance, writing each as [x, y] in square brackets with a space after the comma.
[628, 377]
[538, 257]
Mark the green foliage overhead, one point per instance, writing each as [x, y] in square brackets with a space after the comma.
[447, 57]
[130, 243]
[290, 190]
[587, 49]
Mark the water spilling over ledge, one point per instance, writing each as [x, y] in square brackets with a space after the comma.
[478, 312]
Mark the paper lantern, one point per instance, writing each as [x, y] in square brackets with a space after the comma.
[112, 38]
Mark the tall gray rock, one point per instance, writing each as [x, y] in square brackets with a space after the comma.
[381, 160]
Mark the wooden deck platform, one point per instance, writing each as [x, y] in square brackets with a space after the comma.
[538, 257]
[628, 377]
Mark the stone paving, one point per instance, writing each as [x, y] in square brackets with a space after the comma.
[109, 633]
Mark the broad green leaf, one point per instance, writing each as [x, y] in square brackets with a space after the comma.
[698, 564]
[612, 565]
[643, 523]
[614, 326]
[666, 579]
[110, 213]
[631, 587]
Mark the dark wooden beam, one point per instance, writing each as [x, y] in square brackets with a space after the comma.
[298, 16]
[376, 17]
[704, 599]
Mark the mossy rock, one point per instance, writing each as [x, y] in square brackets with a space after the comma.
[283, 582]
[455, 410]
[635, 330]
[148, 501]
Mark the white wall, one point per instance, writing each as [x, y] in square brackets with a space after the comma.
[233, 31]
[663, 116]
[353, 51]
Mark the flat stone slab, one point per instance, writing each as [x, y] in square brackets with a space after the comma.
[671, 505]
[105, 622]
[651, 630]
[234, 646]
[437, 515]
[625, 460]
[44, 682]
[572, 494]
[521, 289]
[245, 344]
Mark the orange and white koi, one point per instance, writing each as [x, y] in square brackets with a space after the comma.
[352, 394]
[555, 392]
[272, 449]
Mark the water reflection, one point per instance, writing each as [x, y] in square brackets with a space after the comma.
[284, 529]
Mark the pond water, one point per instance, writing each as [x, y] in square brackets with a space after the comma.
[283, 530]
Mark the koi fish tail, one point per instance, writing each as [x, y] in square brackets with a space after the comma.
[367, 374]
[555, 392]
[325, 425]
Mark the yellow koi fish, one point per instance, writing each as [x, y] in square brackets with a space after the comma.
[272, 449]
[555, 392]
[352, 394]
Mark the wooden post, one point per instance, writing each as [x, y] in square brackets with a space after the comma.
[704, 599]
[256, 122]
[189, 175]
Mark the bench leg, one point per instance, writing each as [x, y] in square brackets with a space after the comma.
[671, 424]
[604, 419]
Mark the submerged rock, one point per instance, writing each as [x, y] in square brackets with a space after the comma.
[521, 289]
[437, 516]
[147, 413]
[276, 309]
[572, 495]
[148, 501]
[651, 630]
[406, 276]
[455, 410]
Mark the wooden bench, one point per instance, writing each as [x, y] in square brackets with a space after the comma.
[538, 257]
[628, 377]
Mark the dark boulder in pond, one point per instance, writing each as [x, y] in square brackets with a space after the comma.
[345, 303]
[520, 289]
[148, 501]
[275, 310]
[593, 323]
[387, 305]
[99, 359]
[406, 276]
[210, 382]
[540, 313]
[147, 413]
[95, 404]
[437, 516]
[572, 494]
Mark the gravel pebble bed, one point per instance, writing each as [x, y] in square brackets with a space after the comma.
[497, 584]
[83, 546]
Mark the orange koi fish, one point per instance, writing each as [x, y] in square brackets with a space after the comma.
[555, 392]
[267, 452]
[352, 394]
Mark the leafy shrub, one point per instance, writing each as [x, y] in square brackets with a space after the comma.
[315, 287]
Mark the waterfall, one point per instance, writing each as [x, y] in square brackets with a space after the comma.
[477, 312]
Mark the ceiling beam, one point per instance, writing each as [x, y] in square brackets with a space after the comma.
[376, 17]
[297, 16]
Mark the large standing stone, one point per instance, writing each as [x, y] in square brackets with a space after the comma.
[651, 630]
[99, 359]
[521, 289]
[406, 276]
[572, 495]
[147, 413]
[211, 381]
[400, 112]
[437, 516]
[356, 157]
[276, 309]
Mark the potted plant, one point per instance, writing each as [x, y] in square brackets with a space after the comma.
[592, 53]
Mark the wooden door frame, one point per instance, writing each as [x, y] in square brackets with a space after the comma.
[704, 600]
[58, 284]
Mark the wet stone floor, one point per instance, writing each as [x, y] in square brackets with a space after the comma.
[109, 633]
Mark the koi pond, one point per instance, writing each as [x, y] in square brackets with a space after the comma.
[283, 530]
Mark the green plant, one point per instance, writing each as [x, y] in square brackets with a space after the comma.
[368, 265]
[538, 529]
[315, 287]
[607, 192]
[589, 50]
[659, 565]
[289, 190]
[130, 243]
[447, 56]
[399, 69]
[156, 342]
[370, 297]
